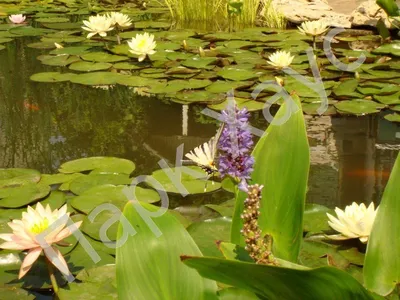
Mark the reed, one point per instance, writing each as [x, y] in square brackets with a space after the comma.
[270, 17]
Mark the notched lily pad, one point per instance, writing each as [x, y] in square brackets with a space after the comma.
[98, 165]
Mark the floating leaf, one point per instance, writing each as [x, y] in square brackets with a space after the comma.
[89, 66]
[393, 117]
[103, 57]
[358, 107]
[84, 183]
[237, 74]
[13, 197]
[97, 78]
[15, 176]
[98, 165]
[52, 77]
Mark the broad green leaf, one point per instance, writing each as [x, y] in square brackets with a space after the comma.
[236, 294]
[382, 260]
[13, 197]
[18, 176]
[389, 6]
[281, 165]
[393, 117]
[270, 282]
[94, 283]
[148, 264]
[84, 183]
[98, 165]
[358, 107]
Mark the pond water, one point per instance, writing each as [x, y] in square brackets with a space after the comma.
[43, 125]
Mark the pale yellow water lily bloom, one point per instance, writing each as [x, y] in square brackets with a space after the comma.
[17, 19]
[354, 222]
[142, 45]
[313, 28]
[280, 59]
[119, 19]
[98, 25]
[25, 236]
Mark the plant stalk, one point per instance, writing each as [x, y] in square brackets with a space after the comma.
[52, 276]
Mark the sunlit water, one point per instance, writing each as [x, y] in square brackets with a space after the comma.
[44, 125]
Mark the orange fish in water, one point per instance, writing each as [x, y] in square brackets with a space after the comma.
[30, 106]
[369, 173]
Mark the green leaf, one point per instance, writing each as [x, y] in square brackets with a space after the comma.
[208, 233]
[98, 165]
[84, 183]
[281, 165]
[148, 266]
[14, 197]
[86, 66]
[389, 6]
[315, 218]
[94, 283]
[52, 77]
[18, 176]
[236, 294]
[393, 117]
[272, 282]
[346, 88]
[358, 107]
[382, 260]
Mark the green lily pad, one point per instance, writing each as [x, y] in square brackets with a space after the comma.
[97, 78]
[52, 77]
[63, 26]
[199, 62]
[98, 164]
[225, 86]
[312, 109]
[235, 74]
[15, 176]
[390, 48]
[358, 107]
[388, 100]
[5, 40]
[83, 183]
[13, 197]
[61, 60]
[93, 228]
[137, 81]
[127, 66]
[56, 199]
[197, 96]
[152, 24]
[250, 105]
[315, 218]
[42, 45]
[52, 20]
[78, 50]
[208, 233]
[103, 57]
[115, 195]
[86, 66]
[192, 183]
[51, 179]
[393, 117]
[395, 108]
[346, 88]
[29, 31]
[16, 293]
[95, 283]
[225, 209]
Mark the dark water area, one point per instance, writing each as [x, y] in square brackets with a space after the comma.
[43, 125]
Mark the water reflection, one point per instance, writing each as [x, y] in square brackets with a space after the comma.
[43, 125]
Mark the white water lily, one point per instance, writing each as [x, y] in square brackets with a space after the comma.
[313, 28]
[142, 45]
[26, 232]
[280, 59]
[17, 19]
[98, 25]
[119, 19]
[354, 222]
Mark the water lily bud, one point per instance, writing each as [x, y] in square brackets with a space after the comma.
[185, 46]
[201, 52]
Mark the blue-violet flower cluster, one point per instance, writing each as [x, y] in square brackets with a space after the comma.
[235, 145]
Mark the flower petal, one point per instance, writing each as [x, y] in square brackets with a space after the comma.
[30, 258]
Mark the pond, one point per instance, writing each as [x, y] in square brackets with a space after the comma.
[95, 122]
[46, 124]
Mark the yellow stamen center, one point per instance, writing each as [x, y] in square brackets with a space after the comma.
[40, 226]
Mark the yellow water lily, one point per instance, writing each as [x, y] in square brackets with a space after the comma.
[313, 28]
[142, 45]
[98, 25]
[26, 231]
[280, 59]
[119, 19]
[354, 222]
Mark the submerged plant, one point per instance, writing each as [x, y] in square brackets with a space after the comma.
[313, 29]
[280, 59]
[25, 236]
[236, 144]
[17, 19]
[354, 222]
[98, 25]
[259, 248]
[142, 45]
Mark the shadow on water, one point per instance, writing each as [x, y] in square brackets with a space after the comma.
[43, 125]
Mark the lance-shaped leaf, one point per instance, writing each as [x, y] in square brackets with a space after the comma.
[382, 260]
[389, 6]
[281, 165]
[149, 267]
[270, 282]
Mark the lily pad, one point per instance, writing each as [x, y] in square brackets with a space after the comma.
[79, 50]
[237, 74]
[315, 218]
[152, 24]
[115, 195]
[103, 57]
[83, 183]
[86, 66]
[52, 20]
[29, 31]
[98, 164]
[60, 178]
[193, 183]
[346, 88]
[199, 62]
[393, 117]
[13, 197]
[97, 78]
[52, 77]
[388, 100]
[15, 176]
[61, 60]
[358, 107]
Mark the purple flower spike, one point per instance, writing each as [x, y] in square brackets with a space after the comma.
[235, 145]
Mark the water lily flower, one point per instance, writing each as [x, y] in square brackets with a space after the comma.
[17, 19]
[354, 222]
[119, 19]
[98, 25]
[313, 28]
[26, 231]
[142, 45]
[280, 59]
